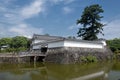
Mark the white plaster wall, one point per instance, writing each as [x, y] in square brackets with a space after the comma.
[36, 47]
[104, 43]
[74, 44]
[37, 41]
[81, 44]
[70, 44]
[56, 44]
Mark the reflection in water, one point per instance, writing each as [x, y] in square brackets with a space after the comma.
[89, 76]
[40, 71]
[78, 71]
[114, 74]
[23, 72]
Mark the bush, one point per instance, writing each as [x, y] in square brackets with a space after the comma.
[83, 58]
[91, 58]
[88, 58]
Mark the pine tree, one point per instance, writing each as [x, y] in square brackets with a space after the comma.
[90, 21]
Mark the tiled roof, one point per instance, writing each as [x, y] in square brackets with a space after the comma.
[51, 39]
[46, 37]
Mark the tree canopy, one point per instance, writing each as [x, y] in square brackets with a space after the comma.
[114, 45]
[18, 43]
[90, 21]
[5, 41]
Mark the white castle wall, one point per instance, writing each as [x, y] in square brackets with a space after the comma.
[74, 44]
[37, 41]
[82, 44]
[56, 44]
[36, 47]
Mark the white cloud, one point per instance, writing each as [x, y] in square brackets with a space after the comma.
[13, 23]
[6, 2]
[56, 1]
[64, 1]
[75, 26]
[8, 15]
[112, 29]
[33, 9]
[4, 31]
[13, 18]
[67, 10]
[25, 29]
[69, 1]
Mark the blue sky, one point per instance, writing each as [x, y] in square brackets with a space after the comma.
[55, 17]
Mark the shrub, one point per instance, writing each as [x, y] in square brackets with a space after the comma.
[83, 58]
[88, 58]
[91, 58]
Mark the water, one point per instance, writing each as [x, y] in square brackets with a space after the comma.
[44, 71]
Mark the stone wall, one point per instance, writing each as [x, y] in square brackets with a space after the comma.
[65, 55]
[24, 59]
[8, 59]
[73, 55]
[14, 59]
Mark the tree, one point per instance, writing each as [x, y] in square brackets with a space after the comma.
[5, 41]
[19, 41]
[15, 44]
[90, 21]
[114, 44]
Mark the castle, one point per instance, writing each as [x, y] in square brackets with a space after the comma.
[66, 51]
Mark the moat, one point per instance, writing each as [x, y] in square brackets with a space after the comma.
[47, 71]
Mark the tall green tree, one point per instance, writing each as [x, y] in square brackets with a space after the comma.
[90, 21]
[19, 41]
